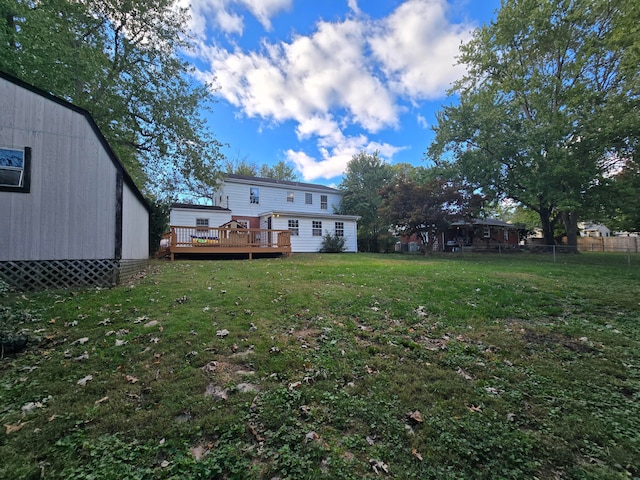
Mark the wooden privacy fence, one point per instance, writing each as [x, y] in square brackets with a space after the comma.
[223, 240]
[609, 244]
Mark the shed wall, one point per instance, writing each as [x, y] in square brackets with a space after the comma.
[69, 212]
[135, 227]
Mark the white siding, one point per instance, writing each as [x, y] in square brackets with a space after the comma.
[135, 227]
[184, 217]
[234, 195]
[305, 242]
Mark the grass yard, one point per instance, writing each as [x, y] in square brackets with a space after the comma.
[329, 366]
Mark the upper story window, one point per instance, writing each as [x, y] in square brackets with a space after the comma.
[316, 228]
[254, 195]
[15, 170]
[308, 198]
[290, 197]
[294, 227]
[323, 202]
[339, 230]
[202, 222]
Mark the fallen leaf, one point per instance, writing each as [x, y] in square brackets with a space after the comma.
[415, 416]
[416, 454]
[14, 428]
[83, 381]
[311, 436]
[463, 374]
[119, 342]
[80, 341]
[222, 333]
[474, 408]
[294, 385]
[102, 400]
[150, 324]
[131, 379]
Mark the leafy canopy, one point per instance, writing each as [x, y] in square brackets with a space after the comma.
[120, 60]
[544, 108]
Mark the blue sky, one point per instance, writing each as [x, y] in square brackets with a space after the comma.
[313, 82]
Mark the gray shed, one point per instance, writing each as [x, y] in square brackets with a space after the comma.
[71, 214]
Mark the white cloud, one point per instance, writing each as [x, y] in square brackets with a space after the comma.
[417, 46]
[346, 75]
[422, 121]
[224, 14]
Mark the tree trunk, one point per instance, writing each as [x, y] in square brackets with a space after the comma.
[570, 221]
[547, 226]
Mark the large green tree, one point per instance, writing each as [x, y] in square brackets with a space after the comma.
[426, 206]
[366, 174]
[545, 108]
[121, 61]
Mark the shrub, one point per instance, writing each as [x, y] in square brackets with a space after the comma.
[332, 244]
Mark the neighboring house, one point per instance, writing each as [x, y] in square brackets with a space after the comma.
[593, 230]
[477, 235]
[71, 214]
[303, 209]
[482, 234]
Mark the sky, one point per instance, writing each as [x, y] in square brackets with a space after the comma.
[315, 82]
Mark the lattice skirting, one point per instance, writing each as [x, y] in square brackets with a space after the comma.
[53, 274]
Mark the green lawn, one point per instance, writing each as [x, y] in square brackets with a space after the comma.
[329, 366]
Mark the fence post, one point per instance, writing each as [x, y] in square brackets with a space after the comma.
[554, 253]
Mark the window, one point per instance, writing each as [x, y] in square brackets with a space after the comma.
[339, 229]
[202, 223]
[323, 202]
[294, 228]
[290, 197]
[15, 170]
[316, 228]
[308, 198]
[506, 235]
[254, 195]
[487, 232]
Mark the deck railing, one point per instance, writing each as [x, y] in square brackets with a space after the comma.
[228, 240]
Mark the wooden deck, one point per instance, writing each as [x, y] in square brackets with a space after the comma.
[219, 240]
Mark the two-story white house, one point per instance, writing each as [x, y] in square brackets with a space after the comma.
[305, 210]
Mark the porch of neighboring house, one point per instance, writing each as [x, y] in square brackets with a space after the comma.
[224, 241]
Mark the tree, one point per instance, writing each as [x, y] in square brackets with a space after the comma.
[363, 179]
[279, 171]
[426, 208]
[120, 60]
[534, 119]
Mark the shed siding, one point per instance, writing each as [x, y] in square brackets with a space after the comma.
[182, 217]
[69, 212]
[135, 227]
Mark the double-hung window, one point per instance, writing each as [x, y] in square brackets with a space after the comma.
[339, 229]
[316, 228]
[294, 228]
[15, 169]
[202, 223]
[254, 195]
[323, 202]
[308, 198]
[290, 197]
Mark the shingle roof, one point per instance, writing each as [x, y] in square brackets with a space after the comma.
[314, 186]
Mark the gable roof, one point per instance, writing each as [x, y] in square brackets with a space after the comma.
[274, 181]
[193, 206]
[111, 154]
